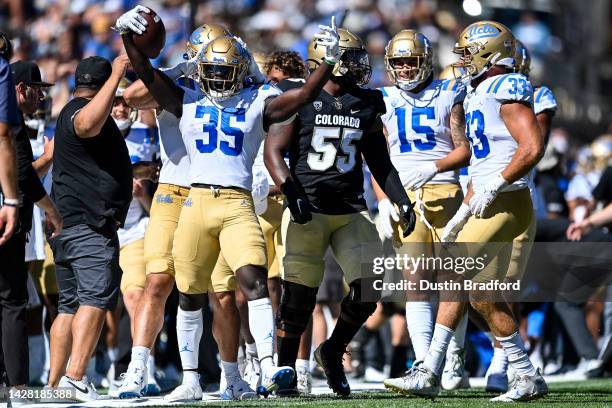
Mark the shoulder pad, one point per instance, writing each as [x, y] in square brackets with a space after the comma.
[511, 87]
[543, 99]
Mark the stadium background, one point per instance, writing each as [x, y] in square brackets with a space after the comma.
[570, 41]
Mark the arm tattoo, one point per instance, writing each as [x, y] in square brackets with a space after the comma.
[457, 126]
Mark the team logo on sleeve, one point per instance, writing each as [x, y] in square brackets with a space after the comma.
[318, 105]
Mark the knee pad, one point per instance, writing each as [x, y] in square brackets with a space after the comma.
[190, 303]
[353, 309]
[296, 306]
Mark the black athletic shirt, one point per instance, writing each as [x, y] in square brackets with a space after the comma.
[92, 177]
[325, 151]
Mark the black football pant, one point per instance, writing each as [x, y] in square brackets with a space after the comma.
[13, 302]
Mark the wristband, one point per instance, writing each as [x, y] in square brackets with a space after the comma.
[11, 202]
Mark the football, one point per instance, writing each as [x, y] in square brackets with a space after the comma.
[151, 42]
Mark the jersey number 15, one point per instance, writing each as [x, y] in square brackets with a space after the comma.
[326, 153]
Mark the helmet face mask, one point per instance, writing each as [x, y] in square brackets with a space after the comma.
[354, 65]
[481, 46]
[409, 59]
[522, 59]
[222, 68]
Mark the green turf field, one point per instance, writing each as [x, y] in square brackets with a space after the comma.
[591, 393]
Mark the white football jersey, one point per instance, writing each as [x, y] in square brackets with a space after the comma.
[492, 145]
[222, 138]
[418, 126]
[175, 161]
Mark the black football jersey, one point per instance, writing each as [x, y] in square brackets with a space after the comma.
[325, 151]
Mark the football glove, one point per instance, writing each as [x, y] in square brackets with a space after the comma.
[298, 204]
[132, 21]
[408, 218]
[330, 39]
[387, 212]
[483, 198]
[421, 176]
[455, 224]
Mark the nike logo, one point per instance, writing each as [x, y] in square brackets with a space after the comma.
[354, 111]
[83, 390]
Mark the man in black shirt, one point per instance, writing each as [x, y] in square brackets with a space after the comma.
[92, 187]
[324, 193]
[13, 272]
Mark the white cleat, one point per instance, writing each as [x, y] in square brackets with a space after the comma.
[454, 376]
[419, 380]
[82, 390]
[237, 389]
[304, 381]
[185, 393]
[252, 371]
[525, 388]
[134, 381]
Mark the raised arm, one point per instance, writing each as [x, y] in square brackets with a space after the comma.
[89, 121]
[284, 106]
[138, 96]
[166, 93]
[376, 155]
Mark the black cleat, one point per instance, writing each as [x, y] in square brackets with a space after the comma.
[290, 391]
[331, 362]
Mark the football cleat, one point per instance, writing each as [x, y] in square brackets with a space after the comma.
[454, 376]
[152, 389]
[185, 393]
[331, 362]
[134, 381]
[496, 382]
[237, 389]
[419, 380]
[277, 378]
[84, 390]
[304, 381]
[525, 388]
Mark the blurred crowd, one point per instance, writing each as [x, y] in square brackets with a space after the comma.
[573, 180]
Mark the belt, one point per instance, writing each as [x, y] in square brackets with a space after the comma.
[202, 185]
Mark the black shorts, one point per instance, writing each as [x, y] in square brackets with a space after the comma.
[86, 267]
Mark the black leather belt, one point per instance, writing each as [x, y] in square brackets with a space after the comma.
[202, 185]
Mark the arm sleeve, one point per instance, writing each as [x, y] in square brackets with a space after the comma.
[29, 183]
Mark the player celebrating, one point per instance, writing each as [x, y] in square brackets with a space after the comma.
[165, 211]
[506, 144]
[222, 125]
[544, 107]
[426, 134]
[324, 191]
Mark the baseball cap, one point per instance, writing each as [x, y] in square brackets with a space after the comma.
[93, 72]
[28, 73]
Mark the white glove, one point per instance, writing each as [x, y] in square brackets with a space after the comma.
[259, 191]
[387, 212]
[132, 21]
[184, 68]
[483, 198]
[455, 224]
[329, 39]
[421, 175]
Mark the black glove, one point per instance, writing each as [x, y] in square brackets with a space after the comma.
[298, 204]
[408, 218]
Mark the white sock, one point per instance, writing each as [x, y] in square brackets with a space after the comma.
[191, 377]
[458, 340]
[517, 356]
[302, 365]
[112, 353]
[261, 322]
[251, 348]
[230, 370]
[499, 362]
[189, 327]
[437, 350]
[140, 355]
[420, 321]
[151, 368]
